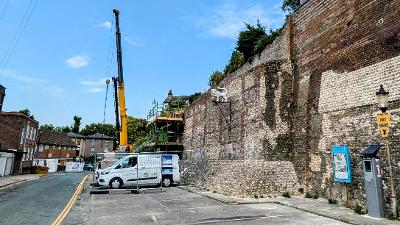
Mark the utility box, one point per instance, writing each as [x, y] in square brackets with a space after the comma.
[373, 182]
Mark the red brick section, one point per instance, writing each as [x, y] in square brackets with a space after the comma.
[57, 153]
[11, 124]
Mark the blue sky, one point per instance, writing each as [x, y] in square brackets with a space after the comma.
[60, 61]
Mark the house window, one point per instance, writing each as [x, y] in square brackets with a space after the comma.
[106, 143]
[46, 147]
[59, 147]
[65, 147]
[22, 136]
[40, 148]
[34, 134]
[93, 142]
[27, 132]
[92, 150]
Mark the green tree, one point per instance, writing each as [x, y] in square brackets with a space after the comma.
[63, 129]
[47, 127]
[266, 40]
[193, 97]
[137, 130]
[237, 60]
[248, 39]
[290, 6]
[27, 113]
[77, 124]
[215, 78]
[93, 128]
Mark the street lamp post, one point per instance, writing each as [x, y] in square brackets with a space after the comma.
[383, 103]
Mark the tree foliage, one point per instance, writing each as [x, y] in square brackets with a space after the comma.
[27, 113]
[77, 123]
[215, 78]
[93, 128]
[193, 97]
[248, 39]
[236, 61]
[290, 6]
[266, 40]
[51, 127]
[137, 130]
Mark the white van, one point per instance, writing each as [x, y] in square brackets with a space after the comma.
[124, 172]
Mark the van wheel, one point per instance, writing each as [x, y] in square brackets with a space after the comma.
[116, 183]
[166, 182]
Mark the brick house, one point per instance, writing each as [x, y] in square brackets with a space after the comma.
[56, 145]
[18, 135]
[96, 143]
[77, 139]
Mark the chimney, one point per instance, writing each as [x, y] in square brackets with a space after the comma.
[302, 2]
[2, 94]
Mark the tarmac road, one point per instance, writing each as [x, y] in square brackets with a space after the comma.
[176, 206]
[38, 202]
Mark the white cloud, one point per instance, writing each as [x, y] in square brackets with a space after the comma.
[54, 90]
[131, 41]
[77, 61]
[32, 83]
[98, 82]
[106, 24]
[95, 90]
[94, 86]
[228, 20]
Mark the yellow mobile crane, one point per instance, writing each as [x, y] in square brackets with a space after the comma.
[120, 107]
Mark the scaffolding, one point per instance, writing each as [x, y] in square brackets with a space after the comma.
[166, 126]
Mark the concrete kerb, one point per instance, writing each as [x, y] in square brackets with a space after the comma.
[17, 182]
[349, 219]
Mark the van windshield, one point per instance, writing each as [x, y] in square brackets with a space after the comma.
[119, 161]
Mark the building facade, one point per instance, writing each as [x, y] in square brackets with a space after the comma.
[96, 143]
[18, 135]
[56, 145]
[78, 140]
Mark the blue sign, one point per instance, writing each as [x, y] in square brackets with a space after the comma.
[341, 164]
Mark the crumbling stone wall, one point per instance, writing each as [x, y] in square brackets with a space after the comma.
[250, 132]
[313, 88]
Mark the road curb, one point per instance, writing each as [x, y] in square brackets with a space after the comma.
[7, 186]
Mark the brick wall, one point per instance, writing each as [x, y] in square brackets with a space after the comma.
[313, 88]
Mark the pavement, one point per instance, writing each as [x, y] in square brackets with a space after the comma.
[39, 201]
[316, 206]
[8, 181]
[177, 206]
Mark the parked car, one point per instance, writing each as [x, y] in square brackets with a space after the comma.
[124, 172]
[88, 167]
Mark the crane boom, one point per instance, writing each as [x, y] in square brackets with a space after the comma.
[123, 138]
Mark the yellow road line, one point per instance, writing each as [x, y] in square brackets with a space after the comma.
[70, 203]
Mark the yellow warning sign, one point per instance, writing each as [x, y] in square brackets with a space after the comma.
[384, 131]
[383, 119]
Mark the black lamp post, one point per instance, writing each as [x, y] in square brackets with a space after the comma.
[383, 99]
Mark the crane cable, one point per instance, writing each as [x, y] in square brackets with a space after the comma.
[105, 102]
[18, 34]
[3, 11]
